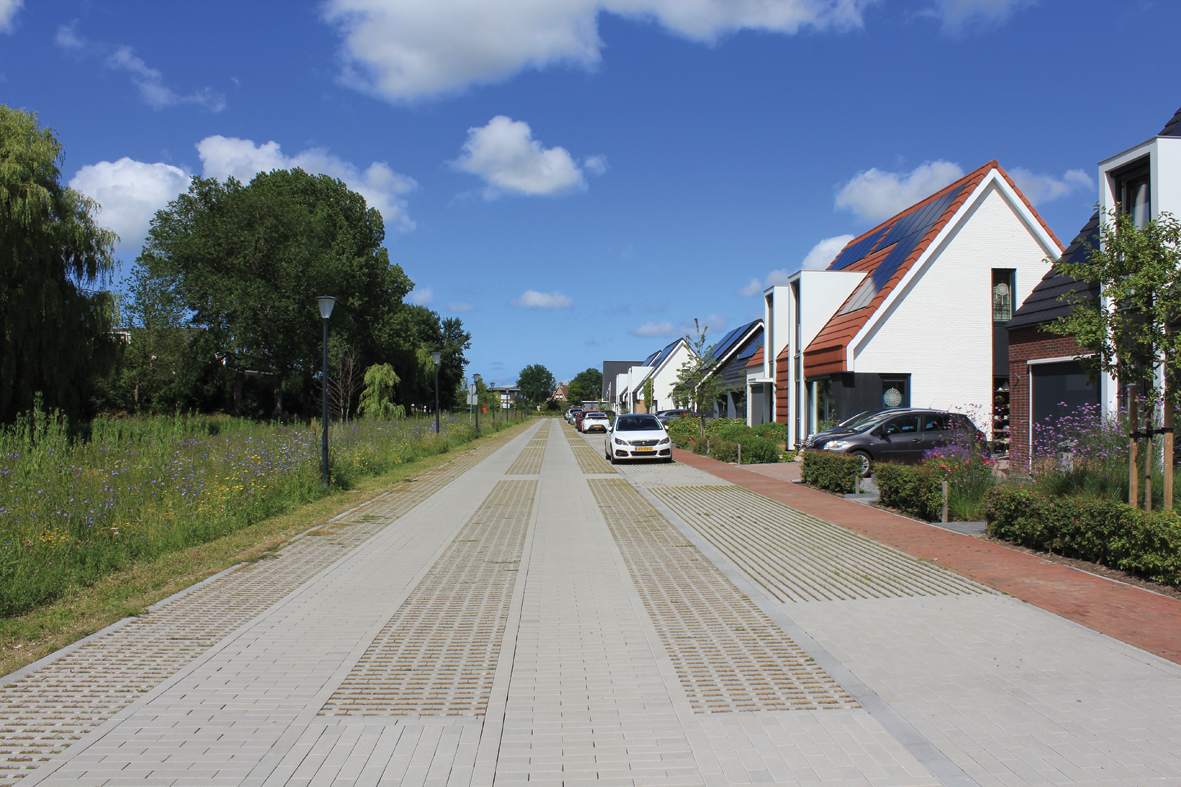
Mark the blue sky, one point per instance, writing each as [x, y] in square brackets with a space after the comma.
[579, 179]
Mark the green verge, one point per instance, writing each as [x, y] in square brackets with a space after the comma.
[81, 611]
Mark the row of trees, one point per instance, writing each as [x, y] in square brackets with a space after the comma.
[220, 312]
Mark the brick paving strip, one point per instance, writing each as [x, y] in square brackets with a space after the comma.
[53, 703]
[1138, 617]
[439, 652]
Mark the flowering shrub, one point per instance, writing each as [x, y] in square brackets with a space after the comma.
[72, 511]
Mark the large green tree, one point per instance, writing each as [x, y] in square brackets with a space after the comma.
[587, 386]
[245, 262]
[536, 382]
[54, 328]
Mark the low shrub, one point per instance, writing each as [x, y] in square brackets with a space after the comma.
[683, 430]
[723, 450]
[775, 432]
[758, 450]
[1097, 530]
[915, 490]
[831, 472]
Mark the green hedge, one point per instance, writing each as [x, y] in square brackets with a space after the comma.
[722, 436]
[914, 490]
[1097, 530]
[831, 472]
[775, 432]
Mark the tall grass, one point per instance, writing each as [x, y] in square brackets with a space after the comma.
[74, 510]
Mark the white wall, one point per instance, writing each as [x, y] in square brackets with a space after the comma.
[940, 329]
[665, 377]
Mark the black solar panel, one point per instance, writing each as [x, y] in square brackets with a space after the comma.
[751, 348]
[727, 342]
[857, 251]
[906, 234]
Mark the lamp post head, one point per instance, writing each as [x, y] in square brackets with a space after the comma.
[435, 356]
[477, 377]
[326, 303]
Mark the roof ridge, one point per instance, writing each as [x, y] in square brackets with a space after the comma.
[1173, 127]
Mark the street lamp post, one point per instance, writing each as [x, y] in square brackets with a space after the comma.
[477, 379]
[435, 356]
[326, 302]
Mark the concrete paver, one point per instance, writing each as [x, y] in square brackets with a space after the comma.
[534, 614]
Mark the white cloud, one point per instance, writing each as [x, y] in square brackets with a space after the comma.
[532, 299]
[8, 9]
[654, 329]
[956, 15]
[875, 195]
[715, 323]
[824, 253]
[150, 82]
[1044, 188]
[381, 187]
[460, 307]
[507, 157]
[130, 193]
[421, 295]
[409, 49]
[818, 259]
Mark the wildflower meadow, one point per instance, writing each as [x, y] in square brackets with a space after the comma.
[73, 510]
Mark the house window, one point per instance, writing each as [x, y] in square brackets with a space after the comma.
[1002, 295]
[1134, 192]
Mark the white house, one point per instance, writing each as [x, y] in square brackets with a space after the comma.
[909, 313]
[662, 367]
[731, 354]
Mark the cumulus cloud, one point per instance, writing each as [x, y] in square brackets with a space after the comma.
[149, 81]
[507, 157]
[875, 194]
[818, 259]
[532, 299]
[956, 15]
[1045, 188]
[667, 330]
[381, 187]
[657, 329]
[130, 193]
[421, 295]
[409, 49]
[8, 9]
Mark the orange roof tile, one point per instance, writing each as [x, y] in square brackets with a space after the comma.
[756, 359]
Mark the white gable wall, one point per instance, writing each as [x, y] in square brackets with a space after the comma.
[665, 378]
[940, 329]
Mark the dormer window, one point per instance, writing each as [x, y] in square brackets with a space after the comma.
[1002, 295]
[1133, 189]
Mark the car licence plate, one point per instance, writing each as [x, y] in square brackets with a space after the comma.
[644, 449]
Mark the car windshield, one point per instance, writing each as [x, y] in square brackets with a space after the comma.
[857, 420]
[637, 423]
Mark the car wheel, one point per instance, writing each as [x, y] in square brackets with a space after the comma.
[866, 463]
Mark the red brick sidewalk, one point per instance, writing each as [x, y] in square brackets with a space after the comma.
[1138, 617]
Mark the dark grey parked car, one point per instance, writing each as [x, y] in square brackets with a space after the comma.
[901, 436]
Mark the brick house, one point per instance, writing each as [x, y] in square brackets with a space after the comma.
[1046, 378]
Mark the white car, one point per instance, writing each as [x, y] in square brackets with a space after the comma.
[637, 437]
[593, 422]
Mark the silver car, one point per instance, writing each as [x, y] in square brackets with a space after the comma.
[637, 437]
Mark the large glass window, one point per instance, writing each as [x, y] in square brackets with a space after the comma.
[1002, 295]
[1134, 191]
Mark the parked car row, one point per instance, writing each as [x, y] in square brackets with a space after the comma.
[626, 437]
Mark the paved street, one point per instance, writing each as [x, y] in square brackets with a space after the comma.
[530, 613]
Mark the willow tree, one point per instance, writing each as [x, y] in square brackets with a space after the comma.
[54, 328]
[1132, 330]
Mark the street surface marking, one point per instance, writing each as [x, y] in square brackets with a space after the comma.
[438, 653]
[799, 558]
[728, 654]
